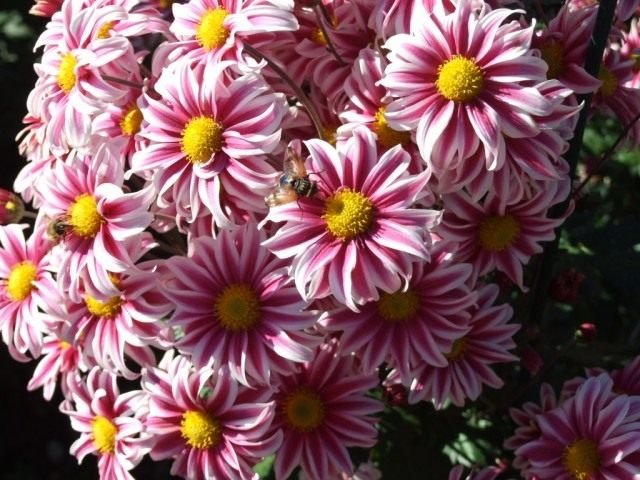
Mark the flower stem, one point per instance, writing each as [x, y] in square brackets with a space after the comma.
[319, 17]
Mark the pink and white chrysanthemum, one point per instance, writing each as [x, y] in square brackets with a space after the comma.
[86, 194]
[23, 276]
[390, 17]
[322, 410]
[488, 473]
[413, 325]
[359, 233]
[491, 235]
[594, 434]
[206, 136]
[630, 48]
[469, 362]
[527, 428]
[463, 81]
[61, 358]
[209, 425]
[235, 306]
[366, 105]
[563, 44]
[209, 30]
[107, 423]
[616, 97]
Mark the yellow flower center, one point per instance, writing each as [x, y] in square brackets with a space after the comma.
[553, 55]
[67, 72]
[609, 82]
[211, 32]
[20, 282]
[237, 307]
[458, 350]
[329, 134]
[317, 36]
[106, 309]
[581, 459]
[165, 3]
[399, 306]
[460, 79]
[104, 434]
[200, 429]
[84, 217]
[103, 31]
[63, 345]
[387, 136]
[497, 232]
[348, 214]
[131, 120]
[201, 138]
[304, 410]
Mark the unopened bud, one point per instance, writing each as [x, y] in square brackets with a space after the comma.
[587, 332]
[11, 207]
[395, 394]
[565, 287]
[531, 359]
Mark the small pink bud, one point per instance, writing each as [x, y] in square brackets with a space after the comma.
[11, 207]
[565, 287]
[395, 394]
[587, 332]
[531, 359]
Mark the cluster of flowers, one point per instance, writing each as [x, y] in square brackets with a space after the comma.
[428, 137]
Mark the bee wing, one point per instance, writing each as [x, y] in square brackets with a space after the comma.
[280, 196]
[294, 164]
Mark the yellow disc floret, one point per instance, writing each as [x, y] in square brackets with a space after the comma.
[398, 306]
[553, 55]
[458, 350]
[103, 31]
[131, 120]
[237, 307]
[67, 72]
[20, 282]
[609, 82]
[104, 434]
[387, 136]
[581, 459]
[460, 79]
[201, 138]
[497, 232]
[200, 429]
[84, 217]
[211, 32]
[348, 214]
[304, 410]
[106, 309]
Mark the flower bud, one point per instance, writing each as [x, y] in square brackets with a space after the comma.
[587, 332]
[531, 359]
[395, 394]
[11, 207]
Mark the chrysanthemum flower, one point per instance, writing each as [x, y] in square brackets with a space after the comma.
[23, 277]
[206, 135]
[45, 8]
[469, 362]
[208, 29]
[563, 44]
[527, 428]
[413, 325]
[488, 473]
[86, 195]
[107, 424]
[464, 80]
[322, 410]
[212, 427]
[630, 48]
[491, 235]
[594, 434]
[235, 306]
[364, 233]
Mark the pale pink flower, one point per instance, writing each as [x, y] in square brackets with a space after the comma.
[413, 325]
[45, 8]
[86, 194]
[209, 30]
[107, 424]
[209, 425]
[464, 81]
[595, 434]
[361, 227]
[487, 342]
[323, 410]
[493, 235]
[206, 134]
[236, 306]
[563, 44]
[23, 278]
